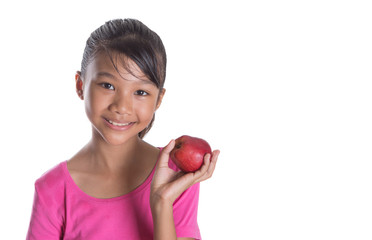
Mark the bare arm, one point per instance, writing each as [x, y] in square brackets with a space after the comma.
[162, 214]
[163, 223]
[167, 185]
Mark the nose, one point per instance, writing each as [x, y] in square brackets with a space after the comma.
[122, 104]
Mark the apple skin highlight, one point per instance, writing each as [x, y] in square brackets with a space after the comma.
[188, 153]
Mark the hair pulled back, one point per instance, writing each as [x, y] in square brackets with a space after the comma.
[134, 40]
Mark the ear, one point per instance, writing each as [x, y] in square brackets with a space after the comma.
[79, 85]
[160, 98]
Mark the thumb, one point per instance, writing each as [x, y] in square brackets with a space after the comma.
[164, 156]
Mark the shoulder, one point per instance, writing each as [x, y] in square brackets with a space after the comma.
[48, 211]
[52, 180]
[149, 149]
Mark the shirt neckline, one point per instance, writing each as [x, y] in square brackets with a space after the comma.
[77, 190]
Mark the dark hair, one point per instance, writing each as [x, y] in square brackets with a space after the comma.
[134, 40]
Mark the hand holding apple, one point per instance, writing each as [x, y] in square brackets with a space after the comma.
[168, 184]
[188, 153]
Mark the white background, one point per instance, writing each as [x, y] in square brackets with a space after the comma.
[282, 88]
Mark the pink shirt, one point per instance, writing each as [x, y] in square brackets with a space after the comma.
[62, 211]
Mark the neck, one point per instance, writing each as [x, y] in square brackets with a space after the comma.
[113, 158]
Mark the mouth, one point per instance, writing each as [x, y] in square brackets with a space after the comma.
[118, 124]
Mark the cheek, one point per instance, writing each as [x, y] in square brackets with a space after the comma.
[93, 103]
[146, 111]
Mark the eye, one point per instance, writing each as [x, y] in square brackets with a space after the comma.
[141, 93]
[107, 86]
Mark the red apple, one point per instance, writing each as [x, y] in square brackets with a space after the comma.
[188, 153]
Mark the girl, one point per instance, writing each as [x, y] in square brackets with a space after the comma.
[118, 186]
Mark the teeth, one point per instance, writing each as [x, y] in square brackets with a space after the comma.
[118, 124]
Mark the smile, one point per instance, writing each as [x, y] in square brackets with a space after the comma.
[118, 124]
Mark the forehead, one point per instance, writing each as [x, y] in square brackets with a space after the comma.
[115, 66]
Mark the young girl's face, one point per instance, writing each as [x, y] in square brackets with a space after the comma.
[119, 106]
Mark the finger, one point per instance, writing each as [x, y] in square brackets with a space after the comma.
[213, 163]
[188, 179]
[164, 156]
[208, 172]
[204, 168]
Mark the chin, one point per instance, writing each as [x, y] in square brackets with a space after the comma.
[119, 140]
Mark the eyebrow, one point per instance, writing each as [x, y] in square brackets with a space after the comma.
[106, 74]
[109, 75]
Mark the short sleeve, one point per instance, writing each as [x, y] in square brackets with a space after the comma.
[48, 210]
[43, 224]
[185, 211]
